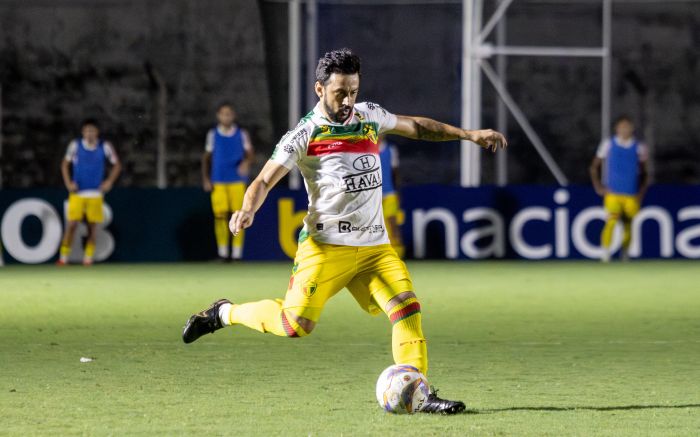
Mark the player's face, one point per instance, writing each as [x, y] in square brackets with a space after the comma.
[226, 116]
[338, 95]
[624, 129]
[90, 133]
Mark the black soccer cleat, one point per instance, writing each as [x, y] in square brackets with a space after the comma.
[204, 322]
[435, 405]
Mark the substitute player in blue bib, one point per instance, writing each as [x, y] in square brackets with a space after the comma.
[624, 182]
[225, 167]
[86, 157]
[391, 206]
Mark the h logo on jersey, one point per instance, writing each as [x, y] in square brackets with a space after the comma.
[365, 162]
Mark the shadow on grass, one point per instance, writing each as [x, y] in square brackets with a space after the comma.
[582, 408]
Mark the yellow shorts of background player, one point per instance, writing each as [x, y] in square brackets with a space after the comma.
[621, 205]
[391, 208]
[87, 207]
[226, 198]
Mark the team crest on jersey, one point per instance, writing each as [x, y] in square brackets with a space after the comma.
[370, 132]
[309, 288]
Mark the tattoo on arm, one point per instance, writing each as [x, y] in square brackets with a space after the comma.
[431, 130]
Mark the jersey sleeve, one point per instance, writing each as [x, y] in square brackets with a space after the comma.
[111, 154]
[385, 119]
[209, 142]
[71, 151]
[603, 149]
[247, 145]
[292, 147]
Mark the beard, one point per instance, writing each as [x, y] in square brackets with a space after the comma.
[338, 116]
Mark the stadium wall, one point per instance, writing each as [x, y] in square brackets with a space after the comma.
[519, 222]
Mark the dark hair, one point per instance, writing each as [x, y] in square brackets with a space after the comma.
[224, 104]
[621, 118]
[89, 122]
[342, 61]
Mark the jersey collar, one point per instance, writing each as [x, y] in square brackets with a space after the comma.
[627, 143]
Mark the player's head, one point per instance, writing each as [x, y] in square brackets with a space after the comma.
[338, 83]
[90, 129]
[225, 114]
[624, 127]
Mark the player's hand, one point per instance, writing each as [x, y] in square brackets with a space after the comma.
[489, 139]
[72, 187]
[240, 220]
[206, 184]
[244, 168]
[105, 186]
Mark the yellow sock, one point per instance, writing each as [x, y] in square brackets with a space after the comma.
[65, 252]
[626, 234]
[607, 234]
[266, 316]
[407, 341]
[89, 250]
[221, 232]
[237, 246]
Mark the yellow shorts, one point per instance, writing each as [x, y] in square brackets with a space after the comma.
[621, 205]
[390, 205]
[89, 207]
[322, 270]
[226, 198]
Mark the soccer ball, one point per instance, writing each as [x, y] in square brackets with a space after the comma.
[402, 389]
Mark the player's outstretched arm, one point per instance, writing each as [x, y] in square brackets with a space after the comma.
[422, 128]
[255, 195]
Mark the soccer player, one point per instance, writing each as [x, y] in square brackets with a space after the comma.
[226, 161]
[343, 243]
[393, 216]
[86, 185]
[624, 182]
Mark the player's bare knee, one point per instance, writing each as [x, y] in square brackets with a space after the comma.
[306, 325]
[303, 326]
[399, 299]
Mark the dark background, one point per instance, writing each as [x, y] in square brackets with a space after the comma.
[64, 60]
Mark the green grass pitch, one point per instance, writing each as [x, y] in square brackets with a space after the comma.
[542, 349]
